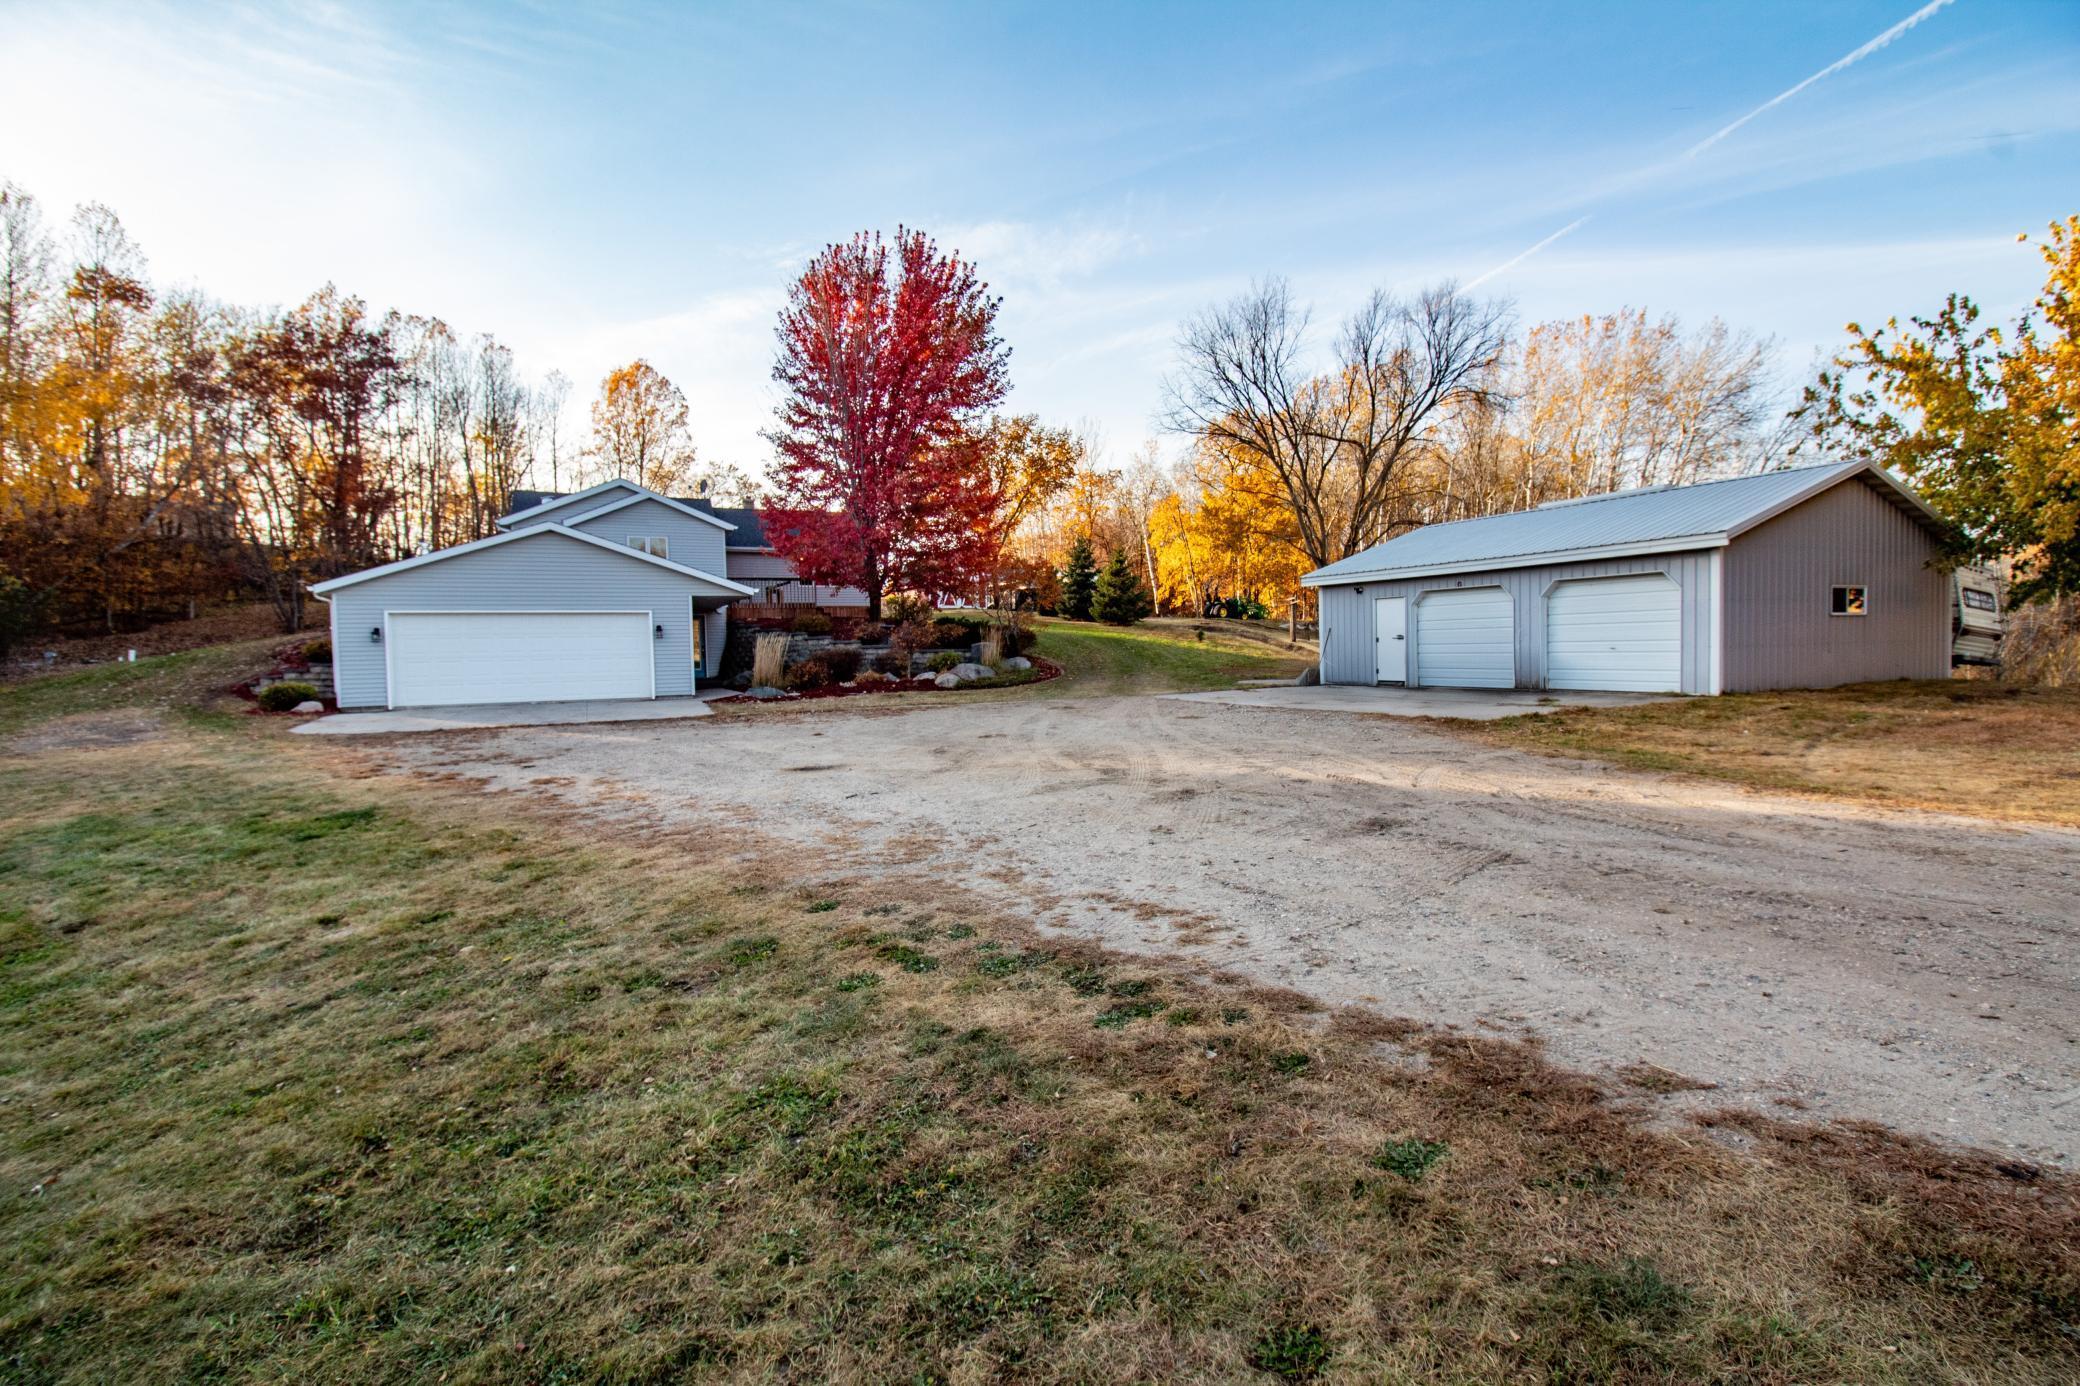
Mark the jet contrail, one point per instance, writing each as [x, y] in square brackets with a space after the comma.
[1702, 145]
[1836, 66]
[1519, 259]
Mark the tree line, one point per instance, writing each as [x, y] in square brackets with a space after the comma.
[160, 449]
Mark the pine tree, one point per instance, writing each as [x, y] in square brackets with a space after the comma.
[1119, 598]
[1079, 580]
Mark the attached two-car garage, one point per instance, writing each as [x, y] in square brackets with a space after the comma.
[540, 614]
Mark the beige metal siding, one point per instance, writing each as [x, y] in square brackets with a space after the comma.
[1779, 577]
[1346, 615]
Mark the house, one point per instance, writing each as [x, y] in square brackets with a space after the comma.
[750, 560]
[609, 592]
[1802, 578]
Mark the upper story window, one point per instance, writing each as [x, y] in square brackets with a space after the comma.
[653, 544]
[1977, 600]
[1849, 601]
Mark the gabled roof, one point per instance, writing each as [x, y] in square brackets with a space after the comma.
[751, 526]
[1655, 519]
[606, 501]
[515, 536]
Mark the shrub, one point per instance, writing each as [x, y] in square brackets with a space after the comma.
[906, 606]
[318, 651]
[947, 631]
[842, 663]
[280, 697]
[812, 623]
[871, 632]
[895, 664]
[942, 661]
[874, 678]
[913, 635]
[813, 672]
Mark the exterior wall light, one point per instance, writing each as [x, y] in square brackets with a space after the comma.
[375, 635]
[660, 632]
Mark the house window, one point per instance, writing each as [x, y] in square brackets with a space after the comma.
[1849, 601]
[653, 545]
[1977, 600]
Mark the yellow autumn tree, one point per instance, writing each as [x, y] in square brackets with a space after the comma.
[639, 429]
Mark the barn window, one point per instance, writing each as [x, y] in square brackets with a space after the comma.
[654, 544]
[1849, 601]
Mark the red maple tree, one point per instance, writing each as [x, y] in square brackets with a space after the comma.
[889, 355]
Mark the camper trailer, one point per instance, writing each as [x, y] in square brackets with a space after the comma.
[1975, 617]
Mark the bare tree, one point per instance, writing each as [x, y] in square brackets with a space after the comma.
[548, 401]
[1338, 443]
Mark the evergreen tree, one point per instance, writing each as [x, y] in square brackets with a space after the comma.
[1079, 580]
[1119, 598]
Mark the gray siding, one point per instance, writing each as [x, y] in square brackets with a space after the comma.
[1780, 576]
[1346, 615]
[552, 572]
[752, 569]
[695, 543]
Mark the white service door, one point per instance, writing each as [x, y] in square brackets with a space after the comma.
[1623, 634]
[1466, 637]
[440, 658]
[1390, 633]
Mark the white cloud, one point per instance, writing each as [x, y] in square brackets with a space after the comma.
[1046, 255]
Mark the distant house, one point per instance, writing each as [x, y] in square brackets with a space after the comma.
[751, 560]
[1804, 578]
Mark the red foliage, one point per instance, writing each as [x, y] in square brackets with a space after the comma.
[888, 368]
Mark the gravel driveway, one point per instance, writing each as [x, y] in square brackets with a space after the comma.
[1802, 955]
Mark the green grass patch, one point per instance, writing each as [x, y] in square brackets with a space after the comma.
[1410, 1158]
[1115, 659]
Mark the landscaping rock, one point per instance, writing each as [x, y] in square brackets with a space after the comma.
[1018, 662]
[948, 680]
[972, 671]
[307, 707]
[765, 691]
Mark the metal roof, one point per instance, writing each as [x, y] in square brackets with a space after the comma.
[1656, 519]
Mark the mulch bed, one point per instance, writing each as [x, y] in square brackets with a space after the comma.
[1043, 669]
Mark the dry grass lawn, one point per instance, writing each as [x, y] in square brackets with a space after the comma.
[318, 1075]
[1965, 746]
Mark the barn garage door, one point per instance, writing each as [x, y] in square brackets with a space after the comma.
[1466, 637]
[1620, 633]
[445, 657]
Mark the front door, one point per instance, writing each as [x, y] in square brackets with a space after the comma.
[1390, 629]
[695, 615]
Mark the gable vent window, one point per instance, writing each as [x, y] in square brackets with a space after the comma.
[653, 545]
[1849, 601]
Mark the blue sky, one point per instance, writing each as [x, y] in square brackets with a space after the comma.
[592, 185]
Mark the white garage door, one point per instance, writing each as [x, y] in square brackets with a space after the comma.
[1466, 637]
[1619, 633]
[445, 657]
